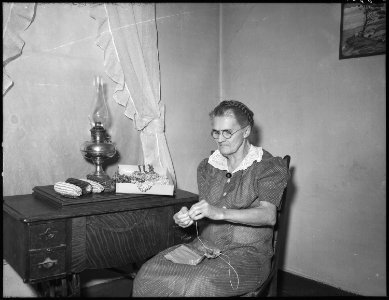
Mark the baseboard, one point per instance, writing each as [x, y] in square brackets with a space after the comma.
[296, 273]
[313, 280]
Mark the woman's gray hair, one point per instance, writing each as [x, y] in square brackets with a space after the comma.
[242, 113]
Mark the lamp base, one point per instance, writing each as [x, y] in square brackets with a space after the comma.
[99, 149]
[103, 177]
[99, 172]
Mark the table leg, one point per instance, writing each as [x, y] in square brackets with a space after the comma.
[75, 284]
[43, 288]
[64, 285]
[52, 289]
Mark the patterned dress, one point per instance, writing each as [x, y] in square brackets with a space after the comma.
[246, 250]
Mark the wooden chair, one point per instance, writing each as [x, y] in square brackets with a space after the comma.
[269, 287]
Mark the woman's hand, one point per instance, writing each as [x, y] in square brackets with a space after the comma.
[182, 218]
[204, 209]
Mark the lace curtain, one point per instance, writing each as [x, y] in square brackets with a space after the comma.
[127, 33]
[17, 17]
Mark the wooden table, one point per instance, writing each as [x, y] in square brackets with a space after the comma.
[49, 246]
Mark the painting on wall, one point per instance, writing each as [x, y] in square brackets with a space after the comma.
[362, 30]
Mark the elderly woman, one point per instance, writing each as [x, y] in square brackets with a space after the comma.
[240, 186]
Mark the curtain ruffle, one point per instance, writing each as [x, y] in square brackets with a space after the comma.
[127, 34]
[112, 64]
[17, 19]
[127, 58]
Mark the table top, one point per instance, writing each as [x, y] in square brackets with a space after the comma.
[29, 208]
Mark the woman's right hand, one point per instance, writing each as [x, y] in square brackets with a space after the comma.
[182, 218]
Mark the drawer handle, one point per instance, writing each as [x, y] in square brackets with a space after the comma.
[47, 263]
[47, 235]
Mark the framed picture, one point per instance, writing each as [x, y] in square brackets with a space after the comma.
[362, 30]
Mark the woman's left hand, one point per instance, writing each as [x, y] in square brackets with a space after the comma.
[204, 209]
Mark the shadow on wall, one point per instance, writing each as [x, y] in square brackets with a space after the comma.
[291, 191]
[255, 136]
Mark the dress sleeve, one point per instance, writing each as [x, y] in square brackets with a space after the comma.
[201, 178]
[272, 180]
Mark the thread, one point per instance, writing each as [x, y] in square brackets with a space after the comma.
[227, 262]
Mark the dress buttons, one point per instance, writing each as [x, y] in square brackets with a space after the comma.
[224, 194]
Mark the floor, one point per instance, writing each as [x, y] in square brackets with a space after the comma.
[116, 285]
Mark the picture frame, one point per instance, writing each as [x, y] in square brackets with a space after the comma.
[362, 29]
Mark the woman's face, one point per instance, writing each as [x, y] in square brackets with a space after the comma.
[231, 145]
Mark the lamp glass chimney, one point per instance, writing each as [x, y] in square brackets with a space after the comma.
[100, 109]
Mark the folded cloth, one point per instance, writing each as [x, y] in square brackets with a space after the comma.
[184, 255]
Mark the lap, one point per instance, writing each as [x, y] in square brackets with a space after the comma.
[227, 275]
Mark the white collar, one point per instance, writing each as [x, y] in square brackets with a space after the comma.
[219, 161]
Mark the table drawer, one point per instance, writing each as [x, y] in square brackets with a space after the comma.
[47, 262]
[47, 235]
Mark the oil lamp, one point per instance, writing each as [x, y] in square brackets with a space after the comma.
[100, 147]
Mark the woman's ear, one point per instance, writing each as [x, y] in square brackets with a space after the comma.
[247, 132]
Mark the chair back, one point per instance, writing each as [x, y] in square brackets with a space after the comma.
[277, 227]
[278, 224]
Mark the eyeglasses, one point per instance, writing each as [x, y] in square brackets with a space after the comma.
[226, 133]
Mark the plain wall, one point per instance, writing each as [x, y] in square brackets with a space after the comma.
[188, 41]
[329, 116]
